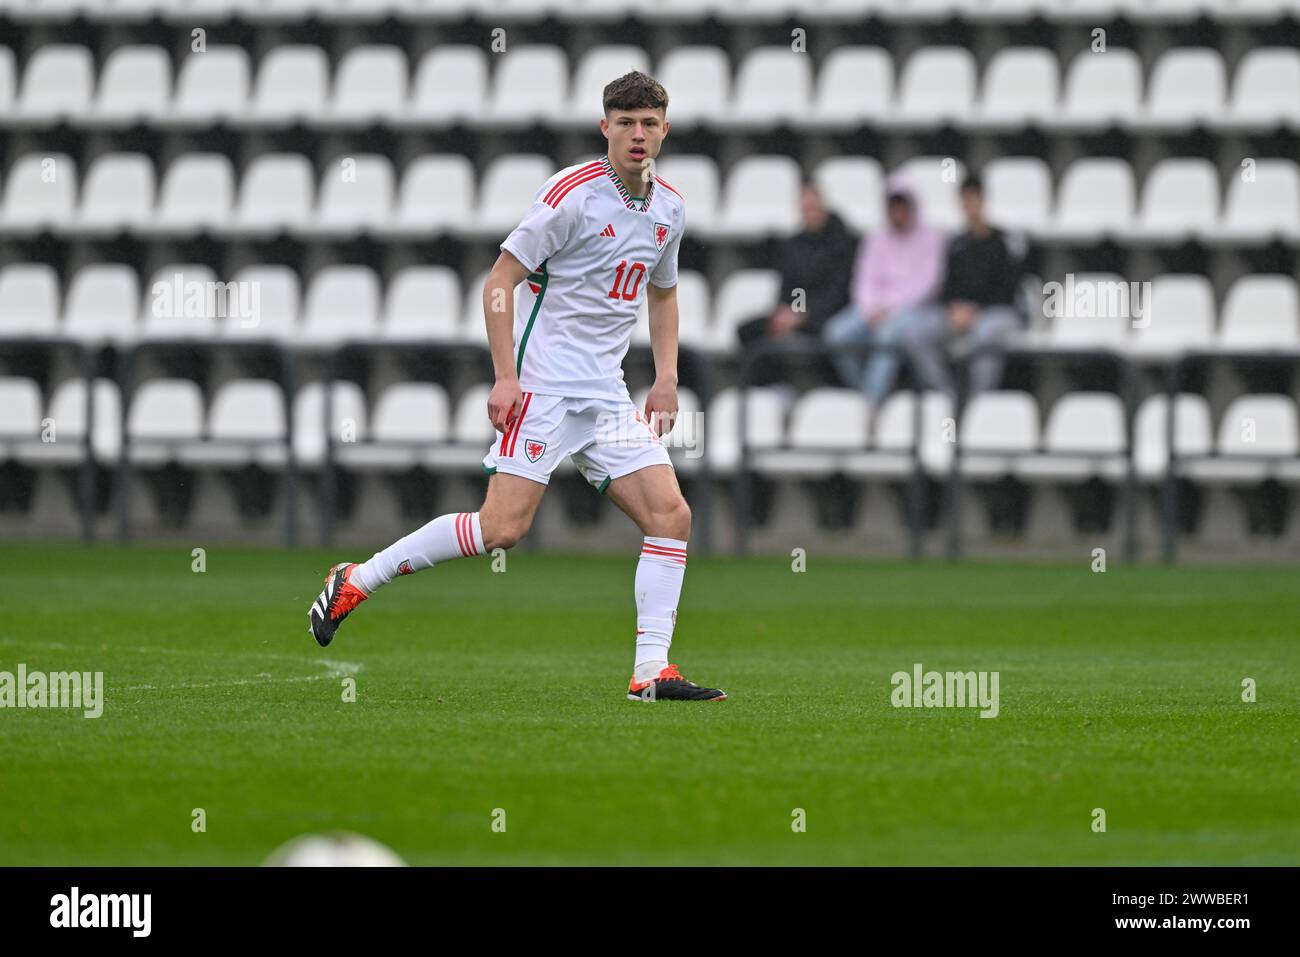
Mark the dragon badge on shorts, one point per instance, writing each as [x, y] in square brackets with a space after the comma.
[533, 449]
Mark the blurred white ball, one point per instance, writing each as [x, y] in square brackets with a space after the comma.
[335, 849]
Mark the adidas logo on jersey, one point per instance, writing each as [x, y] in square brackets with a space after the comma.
[608, 231]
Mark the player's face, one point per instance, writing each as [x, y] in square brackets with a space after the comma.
[900, 215]
[634, 135]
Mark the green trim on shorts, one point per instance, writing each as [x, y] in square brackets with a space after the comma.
[490, 471]
[543, 278]
[605, 484]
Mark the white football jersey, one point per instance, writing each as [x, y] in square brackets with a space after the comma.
[592, 247]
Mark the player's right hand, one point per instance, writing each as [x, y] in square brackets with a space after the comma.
[503, 403]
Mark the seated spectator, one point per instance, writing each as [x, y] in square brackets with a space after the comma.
[815, 266]
[975, 304]
[897, 274]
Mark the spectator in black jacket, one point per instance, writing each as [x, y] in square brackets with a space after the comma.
[976, 304]
[816, 265]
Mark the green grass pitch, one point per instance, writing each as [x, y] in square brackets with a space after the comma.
[479, 690]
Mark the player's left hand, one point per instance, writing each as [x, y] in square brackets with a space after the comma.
[661, 407]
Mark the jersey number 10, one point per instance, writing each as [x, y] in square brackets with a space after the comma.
[626, 277]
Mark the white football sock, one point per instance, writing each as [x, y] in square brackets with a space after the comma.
[659, 576]
[454, 535]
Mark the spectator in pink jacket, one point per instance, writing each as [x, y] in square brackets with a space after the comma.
[898, 272]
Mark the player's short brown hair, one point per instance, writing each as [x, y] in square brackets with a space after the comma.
[635, 91]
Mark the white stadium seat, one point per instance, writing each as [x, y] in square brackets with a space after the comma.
[1084, 438]
[893, 452]
[1021, 85]
[67, 409]
[275, 292]
[700, 80]
[773, 85]
[29, 300]
[275, 193]
[1018, 193]
[246, 426]
[8, 81]
[697, 179]
[1188, 86]
[291, 85]
[853, 187]
[506, 192]
[356, 193]
[118, 193]
[282, 10]
[369, 85]
[342, 305]
[1180, 200]
[1179, 316]
[408, 418]
[693, 310]
[163, 415]
[1265, 90]
[597, 67]
[20, 409]
[764, 426]
[348, 420]
[1261, 313]
[744, 294]
[761, 197]
[134, 85]
[1265, 205]
[213, 85]
[1102, 89]
[937, 84]
[825, 424]
[1096, 197]
[1255, 434]
[102, 304]
[57, 83]
[437, 195]
[39, 193]
[996, 427]
[471, 433]
[198, 192]
[1150, 433]
[422, 304]
[531, 85]
[450, 85]
[855, 84]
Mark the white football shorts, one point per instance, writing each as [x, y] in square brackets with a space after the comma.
[607, 438]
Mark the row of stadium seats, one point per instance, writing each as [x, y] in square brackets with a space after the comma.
[277, 11]
[828, 430]
[772, 84]
[1180, 198]
[104, 303]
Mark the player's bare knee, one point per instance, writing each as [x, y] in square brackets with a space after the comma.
[504, 534]
[502, 530]
[673, 520]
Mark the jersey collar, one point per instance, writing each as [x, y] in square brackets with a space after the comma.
[638, 204]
